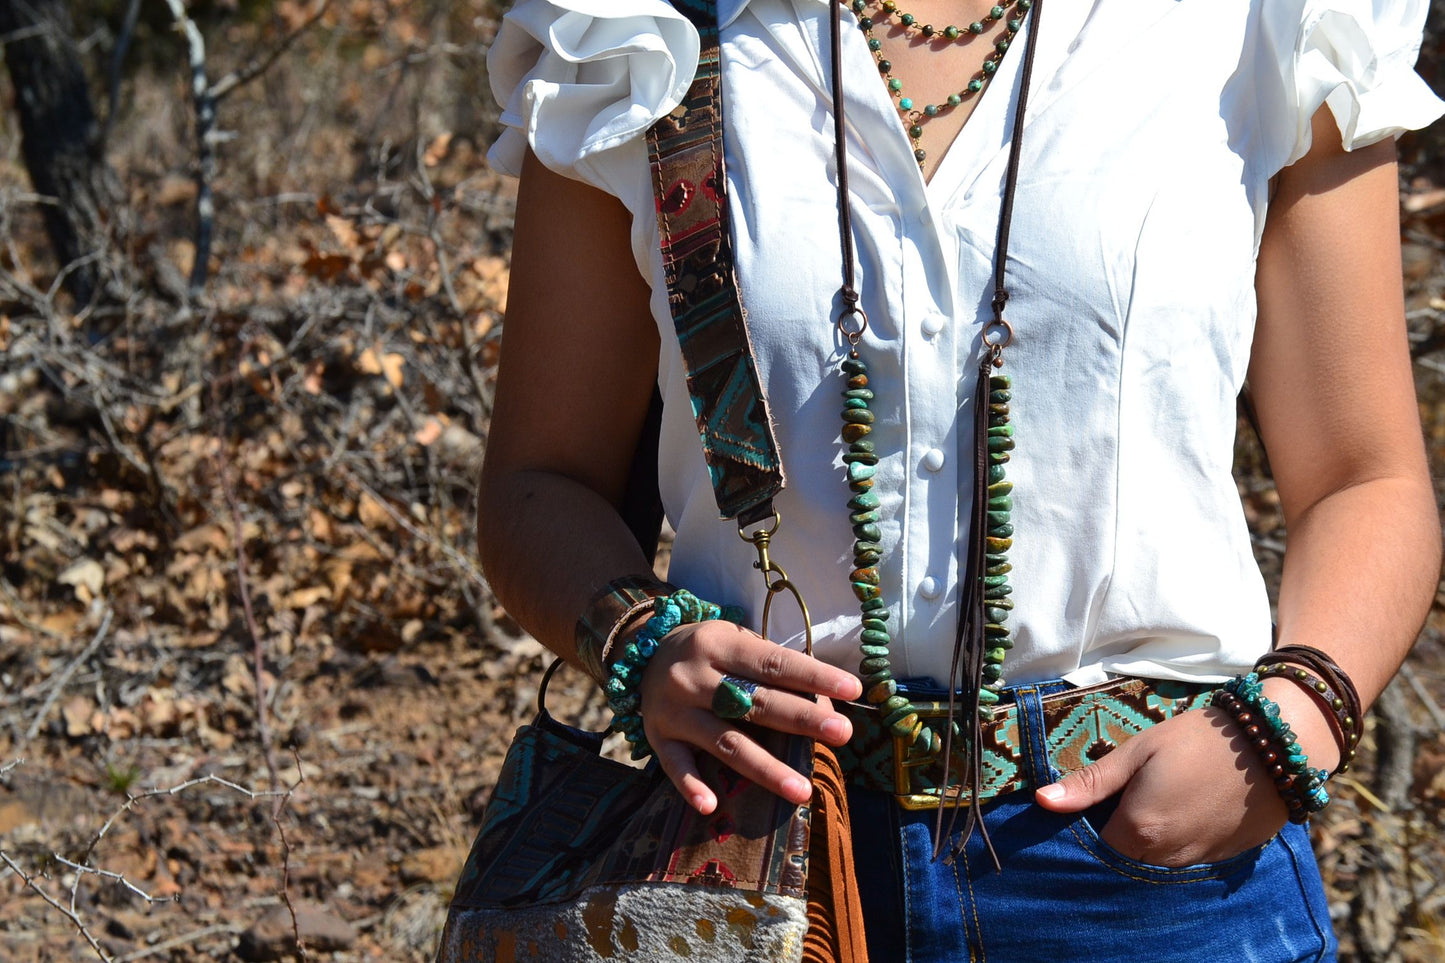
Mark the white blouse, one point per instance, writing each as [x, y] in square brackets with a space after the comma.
[1152, 132]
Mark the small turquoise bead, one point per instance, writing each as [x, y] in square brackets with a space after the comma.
[1000, 503]
[915, 131]
[1001, 431]
[997, 457]
[863, 501]
[987, 697]
[876, 606]
[954, 100]
[976, 27]
[997, 518]
[867, 532]
[895, 84]
[931, 110]
[1002, 568]
[989, 66]
[866, 545]
[1001, 46]
[866, 558]
[975, 85]
[951, 32]
[1000, 382]
[994, 632]
[995, 655]
[1000, 396]
[998, 591]
[1000, 488]
[874, 44]
[1014, 25]
[905, 103]
[996, 13]
[995, 474]
[992, 672]
[870, 666]
[907, 19]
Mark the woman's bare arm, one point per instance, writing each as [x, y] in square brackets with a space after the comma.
[579, 361]
[1332, 384]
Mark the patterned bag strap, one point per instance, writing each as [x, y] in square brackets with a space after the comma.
[686, 153]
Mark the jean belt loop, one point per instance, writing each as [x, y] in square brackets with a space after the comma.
[1031, 733]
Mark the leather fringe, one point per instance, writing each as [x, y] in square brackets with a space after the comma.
[835, 908]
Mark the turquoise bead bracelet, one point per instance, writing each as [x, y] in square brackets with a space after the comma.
[669, 612]
[1270, 736]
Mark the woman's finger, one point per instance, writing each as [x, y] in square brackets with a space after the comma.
[680, 765]
[800, 715]
[753, 657]
[737, 750]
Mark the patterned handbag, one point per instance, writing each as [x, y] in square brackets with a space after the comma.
[579, 856]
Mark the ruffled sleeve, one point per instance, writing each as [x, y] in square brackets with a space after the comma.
[1357, 56]
[577, 78]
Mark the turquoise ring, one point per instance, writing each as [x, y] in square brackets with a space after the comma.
[733, 697]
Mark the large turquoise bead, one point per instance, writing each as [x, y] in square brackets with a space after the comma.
[876, 637]
[874, 624]
[857, 471]
[858, 394]
[858, 416]
[860, 518]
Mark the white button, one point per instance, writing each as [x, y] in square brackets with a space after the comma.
[933, 459]
[932, 324]
[929, 588]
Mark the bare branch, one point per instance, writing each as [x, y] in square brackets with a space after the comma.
[65, 911]
[260, 64]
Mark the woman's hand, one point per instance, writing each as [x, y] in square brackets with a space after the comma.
[1192, 789]
[677, 690]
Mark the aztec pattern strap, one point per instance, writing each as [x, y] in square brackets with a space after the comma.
[686, 154]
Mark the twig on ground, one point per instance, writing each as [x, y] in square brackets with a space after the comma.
[1412, 679]
[185, 939]
[58, 685]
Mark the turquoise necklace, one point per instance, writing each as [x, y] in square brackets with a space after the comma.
[914, 118]
[984, 637]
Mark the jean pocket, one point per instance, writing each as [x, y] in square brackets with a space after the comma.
[1085, 830]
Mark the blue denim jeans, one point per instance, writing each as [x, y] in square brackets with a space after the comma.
[1065, 895]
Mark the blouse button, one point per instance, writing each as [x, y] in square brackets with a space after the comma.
[929, 588]
[933, 459]
[932, 324]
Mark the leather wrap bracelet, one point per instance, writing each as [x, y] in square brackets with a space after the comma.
[608, 612]
[1320, 676]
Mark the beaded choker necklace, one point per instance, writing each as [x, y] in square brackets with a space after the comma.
[983, 637]
[914, 117]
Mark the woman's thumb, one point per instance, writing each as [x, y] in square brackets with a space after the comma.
[1093, 784]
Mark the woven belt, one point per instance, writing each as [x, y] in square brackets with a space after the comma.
[1080, 726]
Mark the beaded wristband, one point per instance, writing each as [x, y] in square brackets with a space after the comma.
[1344, 729]
[607, 614]
[1302, 788]
[669, 612]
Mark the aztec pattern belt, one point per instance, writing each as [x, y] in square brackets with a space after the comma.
[1080, 727]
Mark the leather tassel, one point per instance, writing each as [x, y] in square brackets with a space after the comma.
[966, 672]
[835, 908]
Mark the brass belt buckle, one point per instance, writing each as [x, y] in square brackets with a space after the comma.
[905, 761]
